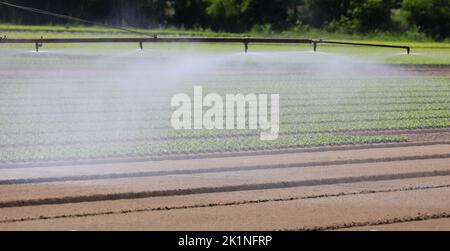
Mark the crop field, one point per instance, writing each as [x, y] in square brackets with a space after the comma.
[86, 140]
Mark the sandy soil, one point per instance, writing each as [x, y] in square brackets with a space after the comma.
[356, 189]
[426, 225]
[331, 213]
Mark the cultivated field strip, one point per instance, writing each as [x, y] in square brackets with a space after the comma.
[207, 170]
[280, 156]
[307, 141]
[299, 211]
[63, 212]
[290, 93]
[424, 139]
[247, 152]
[301, 100]
[206, 143]
[104, 132]
[161, 122]
[233, 188]
[172, 148]
[166, 107]
[319, 185]
[147, 115]
[93, 196]
[70, 123]
[11, 99]
[222, 164]
[312, 174]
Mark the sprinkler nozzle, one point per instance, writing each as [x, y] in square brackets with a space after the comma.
[38, 45]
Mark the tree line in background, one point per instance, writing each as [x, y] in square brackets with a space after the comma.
[431, 17]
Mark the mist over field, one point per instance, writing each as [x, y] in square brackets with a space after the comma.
[358, 137]
[79, 104]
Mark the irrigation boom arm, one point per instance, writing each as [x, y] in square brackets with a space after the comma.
[407, 48]
[246, 41]
[154, 39]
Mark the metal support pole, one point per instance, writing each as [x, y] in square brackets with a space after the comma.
[246, 46]
[39, 44]
[315, 46]
[141, 45]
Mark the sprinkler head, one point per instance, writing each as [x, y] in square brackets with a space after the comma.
[38, 45]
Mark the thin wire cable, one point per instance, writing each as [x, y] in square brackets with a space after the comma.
[44, 12]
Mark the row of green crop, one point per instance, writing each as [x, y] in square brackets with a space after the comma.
[133, 134]
[167, 107]
[94, 78]
[163, 122]
[125, 98]
[47, 94]
[144, 93]
[119, 91]
[79, 91]
[140, 149]
[12, 85]
[290, 98]
[436, 109]
[31, 117]
[55, 78]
